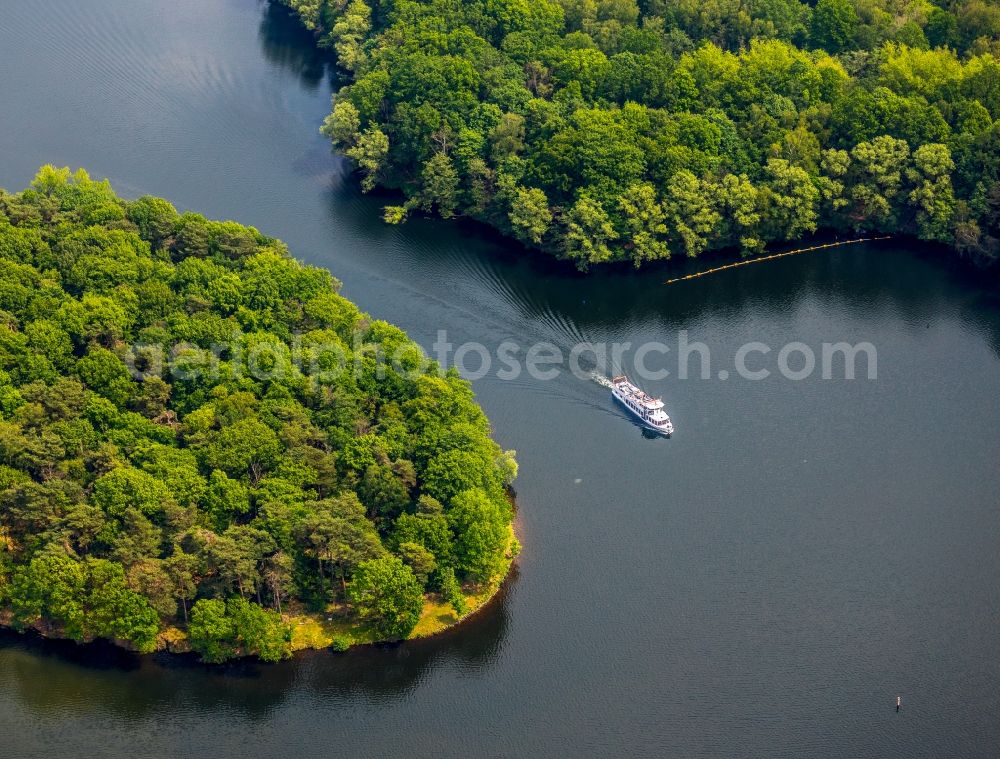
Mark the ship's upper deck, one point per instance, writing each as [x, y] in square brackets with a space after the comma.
[628, 389]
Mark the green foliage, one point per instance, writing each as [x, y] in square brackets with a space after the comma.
[170, 453]
[369, 152]
[481, 524]
[386, 594]
[451, 591]
[589, 231]
[210, 632]
[530, 215]
[221, 630]
[608, 131]
[155, 218]
[440, 186]
[834, 24]
[428, 528]
[246, 448]
[340, 643]
[418, 559]
[84, 599]
[124, 487]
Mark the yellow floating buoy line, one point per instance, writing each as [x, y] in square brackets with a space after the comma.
[761, 259]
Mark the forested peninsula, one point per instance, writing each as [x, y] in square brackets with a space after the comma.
[204, 447]
[606, 130]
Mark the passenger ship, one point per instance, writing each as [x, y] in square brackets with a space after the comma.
[649, 410]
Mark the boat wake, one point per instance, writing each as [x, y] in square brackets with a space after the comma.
[601, 380]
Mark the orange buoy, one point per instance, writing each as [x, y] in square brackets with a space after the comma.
[774, 256]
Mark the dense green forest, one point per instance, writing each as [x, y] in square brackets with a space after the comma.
[604, 130]
[200, 439]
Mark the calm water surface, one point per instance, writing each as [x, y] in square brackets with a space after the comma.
[763, 584]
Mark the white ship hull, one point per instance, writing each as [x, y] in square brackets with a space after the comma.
[649, 411]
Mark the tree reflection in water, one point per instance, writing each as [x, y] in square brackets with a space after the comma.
[100, 678]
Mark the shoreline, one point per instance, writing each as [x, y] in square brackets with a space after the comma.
[319, 631]
[314, 631]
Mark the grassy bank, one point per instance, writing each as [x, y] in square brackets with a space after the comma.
[335, 628]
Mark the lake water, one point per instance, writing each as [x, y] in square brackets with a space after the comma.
[762, 584]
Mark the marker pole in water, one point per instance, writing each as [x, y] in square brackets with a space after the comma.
[899, 702]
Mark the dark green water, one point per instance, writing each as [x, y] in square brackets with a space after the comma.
[763, 584]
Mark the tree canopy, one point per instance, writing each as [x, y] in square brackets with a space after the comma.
[605, 130]
[197, 431]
